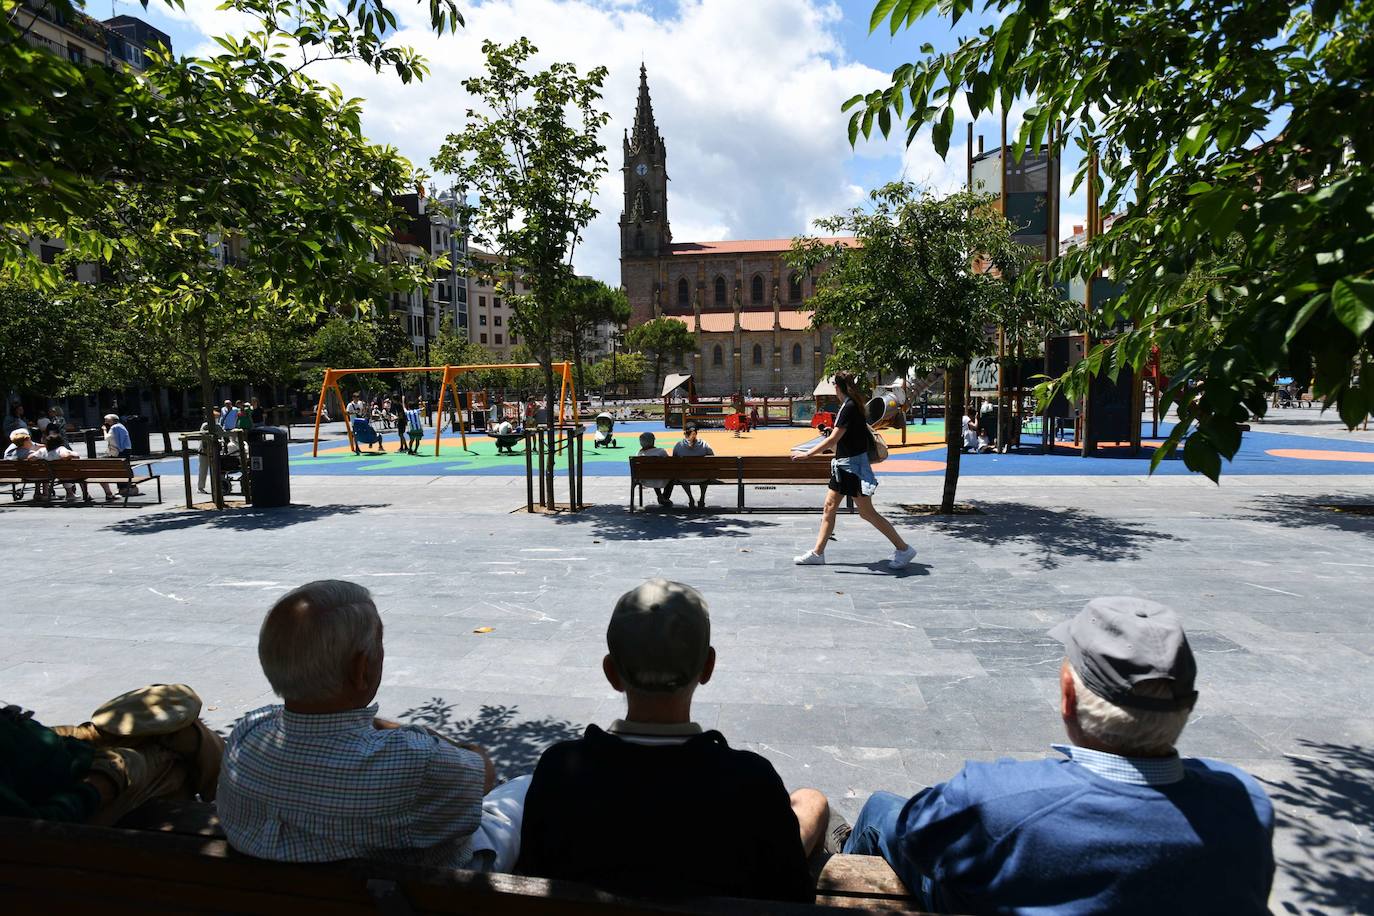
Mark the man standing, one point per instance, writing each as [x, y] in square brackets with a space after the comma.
[320, 778]
[654, 805]
[229, 416]
[1122, 824]
[118, 445]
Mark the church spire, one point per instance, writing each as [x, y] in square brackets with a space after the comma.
[645, 134]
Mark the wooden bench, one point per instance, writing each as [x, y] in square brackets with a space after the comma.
[18, 474]
[756, 470]
[45, 475]
[178, 861]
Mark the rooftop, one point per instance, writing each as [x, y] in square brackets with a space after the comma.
[748, 246]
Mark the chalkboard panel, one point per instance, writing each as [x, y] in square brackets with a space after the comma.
[1112, 408]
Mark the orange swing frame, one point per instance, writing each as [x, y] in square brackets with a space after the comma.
[447, 384]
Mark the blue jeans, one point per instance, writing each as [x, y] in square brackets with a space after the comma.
[875, 834]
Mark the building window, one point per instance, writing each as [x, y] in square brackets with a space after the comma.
[756, 289]
[484, 338]
[720, 290]
[496, 302]
[481, 302]
[498, 338]
[758, 355]
[498, 321]
[684, 293]
[482, 320]
[796, 354]
[794, 292]
[76, 55]
[512, 340]
[717, 356]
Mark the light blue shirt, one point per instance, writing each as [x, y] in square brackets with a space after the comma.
[860, 467]
[321, 788]
[230, 418]
[1134, 771]
[120, 437]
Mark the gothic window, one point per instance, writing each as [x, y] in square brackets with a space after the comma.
[756, 289]
[720, 290]
[717, 357]
[758, 355]
[796, 354]
[639, 241]
[684, 293]
[794, 292]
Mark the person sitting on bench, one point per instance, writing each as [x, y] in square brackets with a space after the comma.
[689, 447]
[647, 449]
[146, 744]
[1122, 824]
[320, 778]
[654, 805]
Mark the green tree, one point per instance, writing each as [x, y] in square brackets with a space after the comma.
[530, 154]
[663, 337]
[43, 336]
[1174, 99]
[70, 131]
[625, 371]
[925, 285]
[586, 303]
[341, 343]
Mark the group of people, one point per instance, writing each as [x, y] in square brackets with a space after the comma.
[55, 447]
[655, 804]
[405, 412]
[980, 435]
[690, 445]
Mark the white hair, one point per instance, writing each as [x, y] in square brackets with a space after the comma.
[1129, 732]
[312, 635]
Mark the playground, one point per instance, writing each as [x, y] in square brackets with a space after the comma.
[1261, 452]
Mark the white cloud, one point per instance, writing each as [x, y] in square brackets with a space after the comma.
[747, 97]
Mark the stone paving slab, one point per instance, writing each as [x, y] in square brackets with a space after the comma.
[848, 677]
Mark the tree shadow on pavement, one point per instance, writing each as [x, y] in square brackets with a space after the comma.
[514, 744]
[1327, 809]
[616, 523]
[1047, 537]
[1336, 511]
[233, 519]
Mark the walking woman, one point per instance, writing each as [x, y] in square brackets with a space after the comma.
[851, 474]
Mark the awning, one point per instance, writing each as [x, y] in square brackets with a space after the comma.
[673, 382]
[825, 388]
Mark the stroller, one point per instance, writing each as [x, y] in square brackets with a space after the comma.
[230, 468]
[605, 425]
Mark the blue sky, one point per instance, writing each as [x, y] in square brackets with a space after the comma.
[746, 93]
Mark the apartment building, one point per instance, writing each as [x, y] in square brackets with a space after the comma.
[489, 308]
[83, 39]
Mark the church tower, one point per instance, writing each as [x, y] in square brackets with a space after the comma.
[644, 230]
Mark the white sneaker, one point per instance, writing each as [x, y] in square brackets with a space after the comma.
[901, 558]
[810, 558]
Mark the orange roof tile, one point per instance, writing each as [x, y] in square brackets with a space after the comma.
[748, 246]
[724, 322]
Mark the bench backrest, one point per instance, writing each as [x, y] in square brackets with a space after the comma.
[76, 469]
[26, 470]
[774, 467]
[62, 868]
[770, 467]
[654, 467]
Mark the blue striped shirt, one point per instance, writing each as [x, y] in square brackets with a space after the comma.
[320, 788]
[1134, 771]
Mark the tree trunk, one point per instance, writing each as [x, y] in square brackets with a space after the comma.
[577, 363]
[161, 420]
[552, 429]
[954, 434]
[207, 397]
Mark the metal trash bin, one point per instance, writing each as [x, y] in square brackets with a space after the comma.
[268, 470]
[140, 438]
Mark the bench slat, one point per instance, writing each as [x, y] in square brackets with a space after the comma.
[58, 865]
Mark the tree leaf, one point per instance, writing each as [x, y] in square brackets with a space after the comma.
[1352, 299]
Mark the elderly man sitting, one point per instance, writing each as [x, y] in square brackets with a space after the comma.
[320, 778]
[1122, 824]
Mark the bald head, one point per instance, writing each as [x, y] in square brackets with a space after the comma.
[313, 638]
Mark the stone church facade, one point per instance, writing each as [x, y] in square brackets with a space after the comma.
[746, 308]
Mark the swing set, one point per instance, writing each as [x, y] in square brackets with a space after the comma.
[448, 384]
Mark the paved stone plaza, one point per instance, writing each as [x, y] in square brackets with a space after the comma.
[848, 677]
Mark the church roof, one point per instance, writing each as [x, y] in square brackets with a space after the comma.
[724, 322]
[748, 246]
